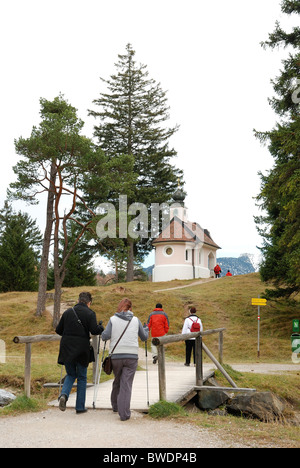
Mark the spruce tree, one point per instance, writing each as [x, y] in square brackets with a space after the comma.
[79, 268]
[20, 243]
[280, 188]
[131, 121]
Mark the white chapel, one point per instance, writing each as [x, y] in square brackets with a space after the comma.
[183, 250]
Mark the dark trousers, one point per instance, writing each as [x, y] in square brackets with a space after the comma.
[124, 372]
[190, 346]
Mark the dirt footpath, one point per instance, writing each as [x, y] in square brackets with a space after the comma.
[102, 428]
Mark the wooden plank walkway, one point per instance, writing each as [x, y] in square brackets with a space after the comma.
[180, 380]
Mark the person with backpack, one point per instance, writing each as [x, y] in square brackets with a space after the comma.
[217, 270]
[192, 324]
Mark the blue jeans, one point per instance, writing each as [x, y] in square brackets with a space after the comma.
[76, 371]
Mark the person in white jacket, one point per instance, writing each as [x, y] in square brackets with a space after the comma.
[192, 323]
[125, 356]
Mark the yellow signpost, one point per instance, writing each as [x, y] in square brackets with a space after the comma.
[257, 301]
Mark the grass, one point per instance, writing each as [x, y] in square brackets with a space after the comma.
[249, 432]
[165, 409]
[221, 303]
[22, 404]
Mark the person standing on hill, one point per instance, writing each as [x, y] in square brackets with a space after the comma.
[217, 270]
[191, 324]
[158, 324]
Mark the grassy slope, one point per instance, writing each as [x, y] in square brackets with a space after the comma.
[222, 303]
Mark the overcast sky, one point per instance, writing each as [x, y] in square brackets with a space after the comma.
[206, 54]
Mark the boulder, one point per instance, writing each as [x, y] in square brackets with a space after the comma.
[264, 406]
[211, 399]
[6, 397]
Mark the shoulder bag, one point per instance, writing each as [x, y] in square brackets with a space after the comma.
[107, 364]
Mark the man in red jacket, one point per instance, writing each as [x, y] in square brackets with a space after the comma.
[158, 323]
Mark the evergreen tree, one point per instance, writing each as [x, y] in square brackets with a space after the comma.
[79, 267]
[20, 243]
[131, 121]
[280, 188]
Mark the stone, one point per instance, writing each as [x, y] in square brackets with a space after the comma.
[6, 397]
[211, 399]
[264, 406]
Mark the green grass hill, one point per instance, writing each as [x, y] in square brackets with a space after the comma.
[225, 302]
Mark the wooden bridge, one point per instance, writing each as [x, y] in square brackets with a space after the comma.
[180, 384]
[163, 381]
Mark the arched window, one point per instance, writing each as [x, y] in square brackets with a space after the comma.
[211, 261]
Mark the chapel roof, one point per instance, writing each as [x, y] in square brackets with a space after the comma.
[179, 231]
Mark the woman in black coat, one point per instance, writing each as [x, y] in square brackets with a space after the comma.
[75, 327]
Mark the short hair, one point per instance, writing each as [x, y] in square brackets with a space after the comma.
[85, 297]
[159, 306]
[193, 310]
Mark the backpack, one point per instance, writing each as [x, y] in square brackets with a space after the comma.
[195, 326]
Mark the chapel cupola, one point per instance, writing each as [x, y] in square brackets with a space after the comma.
[178, 208]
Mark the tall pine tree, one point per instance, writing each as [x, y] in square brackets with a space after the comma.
[56, 159]
[280, 188]
[131, 121]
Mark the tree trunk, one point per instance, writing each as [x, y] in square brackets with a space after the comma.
[57, 301]
[41, 302]
[130, 261]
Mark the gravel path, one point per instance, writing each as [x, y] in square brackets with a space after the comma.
[98, 429]
[103, 428]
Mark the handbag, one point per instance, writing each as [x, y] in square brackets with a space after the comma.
[107, 364]
[91, 349]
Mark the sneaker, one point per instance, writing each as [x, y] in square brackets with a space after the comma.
[62, 402]
[155, 359]
[187, 365]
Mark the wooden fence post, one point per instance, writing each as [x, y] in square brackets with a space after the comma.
[199, 361]
[27, 369]
[221, 340]
[161, 372]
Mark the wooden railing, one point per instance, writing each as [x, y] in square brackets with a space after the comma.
[159, 342]
[28, 340]
[200, 346]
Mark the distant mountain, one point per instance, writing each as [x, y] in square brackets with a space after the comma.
[245, 263]
[242, 265]
[148, 270]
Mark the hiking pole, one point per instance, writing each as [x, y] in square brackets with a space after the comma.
[146, 352]
[97, 364]
[96, 388]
